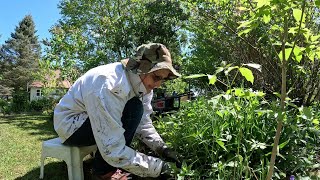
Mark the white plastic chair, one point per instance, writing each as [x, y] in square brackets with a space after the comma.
[72, 155]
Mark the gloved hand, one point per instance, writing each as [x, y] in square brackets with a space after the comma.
[170, 155]
[167, 171]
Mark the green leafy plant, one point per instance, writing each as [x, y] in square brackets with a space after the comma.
[231, 136]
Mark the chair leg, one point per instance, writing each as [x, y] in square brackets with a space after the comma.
[77, 164]
[70, 173]
[42, 166]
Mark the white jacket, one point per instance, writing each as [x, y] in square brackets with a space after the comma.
[101, 95]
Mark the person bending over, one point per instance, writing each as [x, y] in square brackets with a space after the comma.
[110, 104]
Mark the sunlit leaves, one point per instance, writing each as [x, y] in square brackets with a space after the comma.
[245, 31]
[297, 14]
[253, 65]
[245, 26]
[297, 53]
[229, 69]
[282, 145]
[315, 121]
[266, 18]
[314, 38]
[221, 144]
[247, 73]
[257, 145]
[305, 112]
[212, 79]
[261, 3]
[286, 53]
[194, 76]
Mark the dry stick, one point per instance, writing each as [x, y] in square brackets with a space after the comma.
[283, 97]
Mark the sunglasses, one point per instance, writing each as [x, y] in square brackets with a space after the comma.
[157, 78]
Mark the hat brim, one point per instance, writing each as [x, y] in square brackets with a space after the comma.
[162, 65]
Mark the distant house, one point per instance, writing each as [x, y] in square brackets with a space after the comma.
[36, 88]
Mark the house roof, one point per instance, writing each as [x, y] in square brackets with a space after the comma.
[61, 84]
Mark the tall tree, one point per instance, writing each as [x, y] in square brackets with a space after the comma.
[97, 32]
[20, 56]
[4, 90]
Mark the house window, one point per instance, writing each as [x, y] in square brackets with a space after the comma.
[39, 92]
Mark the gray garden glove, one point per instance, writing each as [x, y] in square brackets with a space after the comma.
[167, 171]
[170, 155]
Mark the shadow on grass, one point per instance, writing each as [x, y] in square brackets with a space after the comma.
[35, 124]
[59, 171]
[56, 171]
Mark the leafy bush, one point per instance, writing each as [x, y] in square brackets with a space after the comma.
[36, 105]
[20, 101]
[44, 105]
[231, 136]
[5, 106]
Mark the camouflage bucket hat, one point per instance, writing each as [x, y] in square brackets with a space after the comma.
[149, 58]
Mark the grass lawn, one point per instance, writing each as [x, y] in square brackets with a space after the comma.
[20, 147]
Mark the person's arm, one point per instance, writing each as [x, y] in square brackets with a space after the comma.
[104, 107]
[146, 131]
[148, 134]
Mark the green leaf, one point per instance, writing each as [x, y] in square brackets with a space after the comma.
[247, 73]
[284, 144]
[241, 8]
[307, 112]
[262, 3]
[244, 24]
[317, 2]
[253, 65]
[220, 69]
[219, 114]
[297, 13]
[311, 55]
[212, 79]
[315, 121]
[221, 144]
[230, 69]
[306, 33]
[293, 30]
[314, 38]
[287, 54]
[246, 31]
[194, 76]
[238, 92]
[297, 53]
[266, 18]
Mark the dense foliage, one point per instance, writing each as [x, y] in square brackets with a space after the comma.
[92, 33]
[256, 32]
[230, 137]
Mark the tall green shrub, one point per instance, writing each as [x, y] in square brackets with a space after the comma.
[20, 101]
[230, 137]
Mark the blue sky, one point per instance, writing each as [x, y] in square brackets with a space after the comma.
[45, 14]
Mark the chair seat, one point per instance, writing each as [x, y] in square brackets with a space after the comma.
[72, 155]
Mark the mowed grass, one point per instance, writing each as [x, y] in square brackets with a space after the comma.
[20, 147]
[21, 138]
